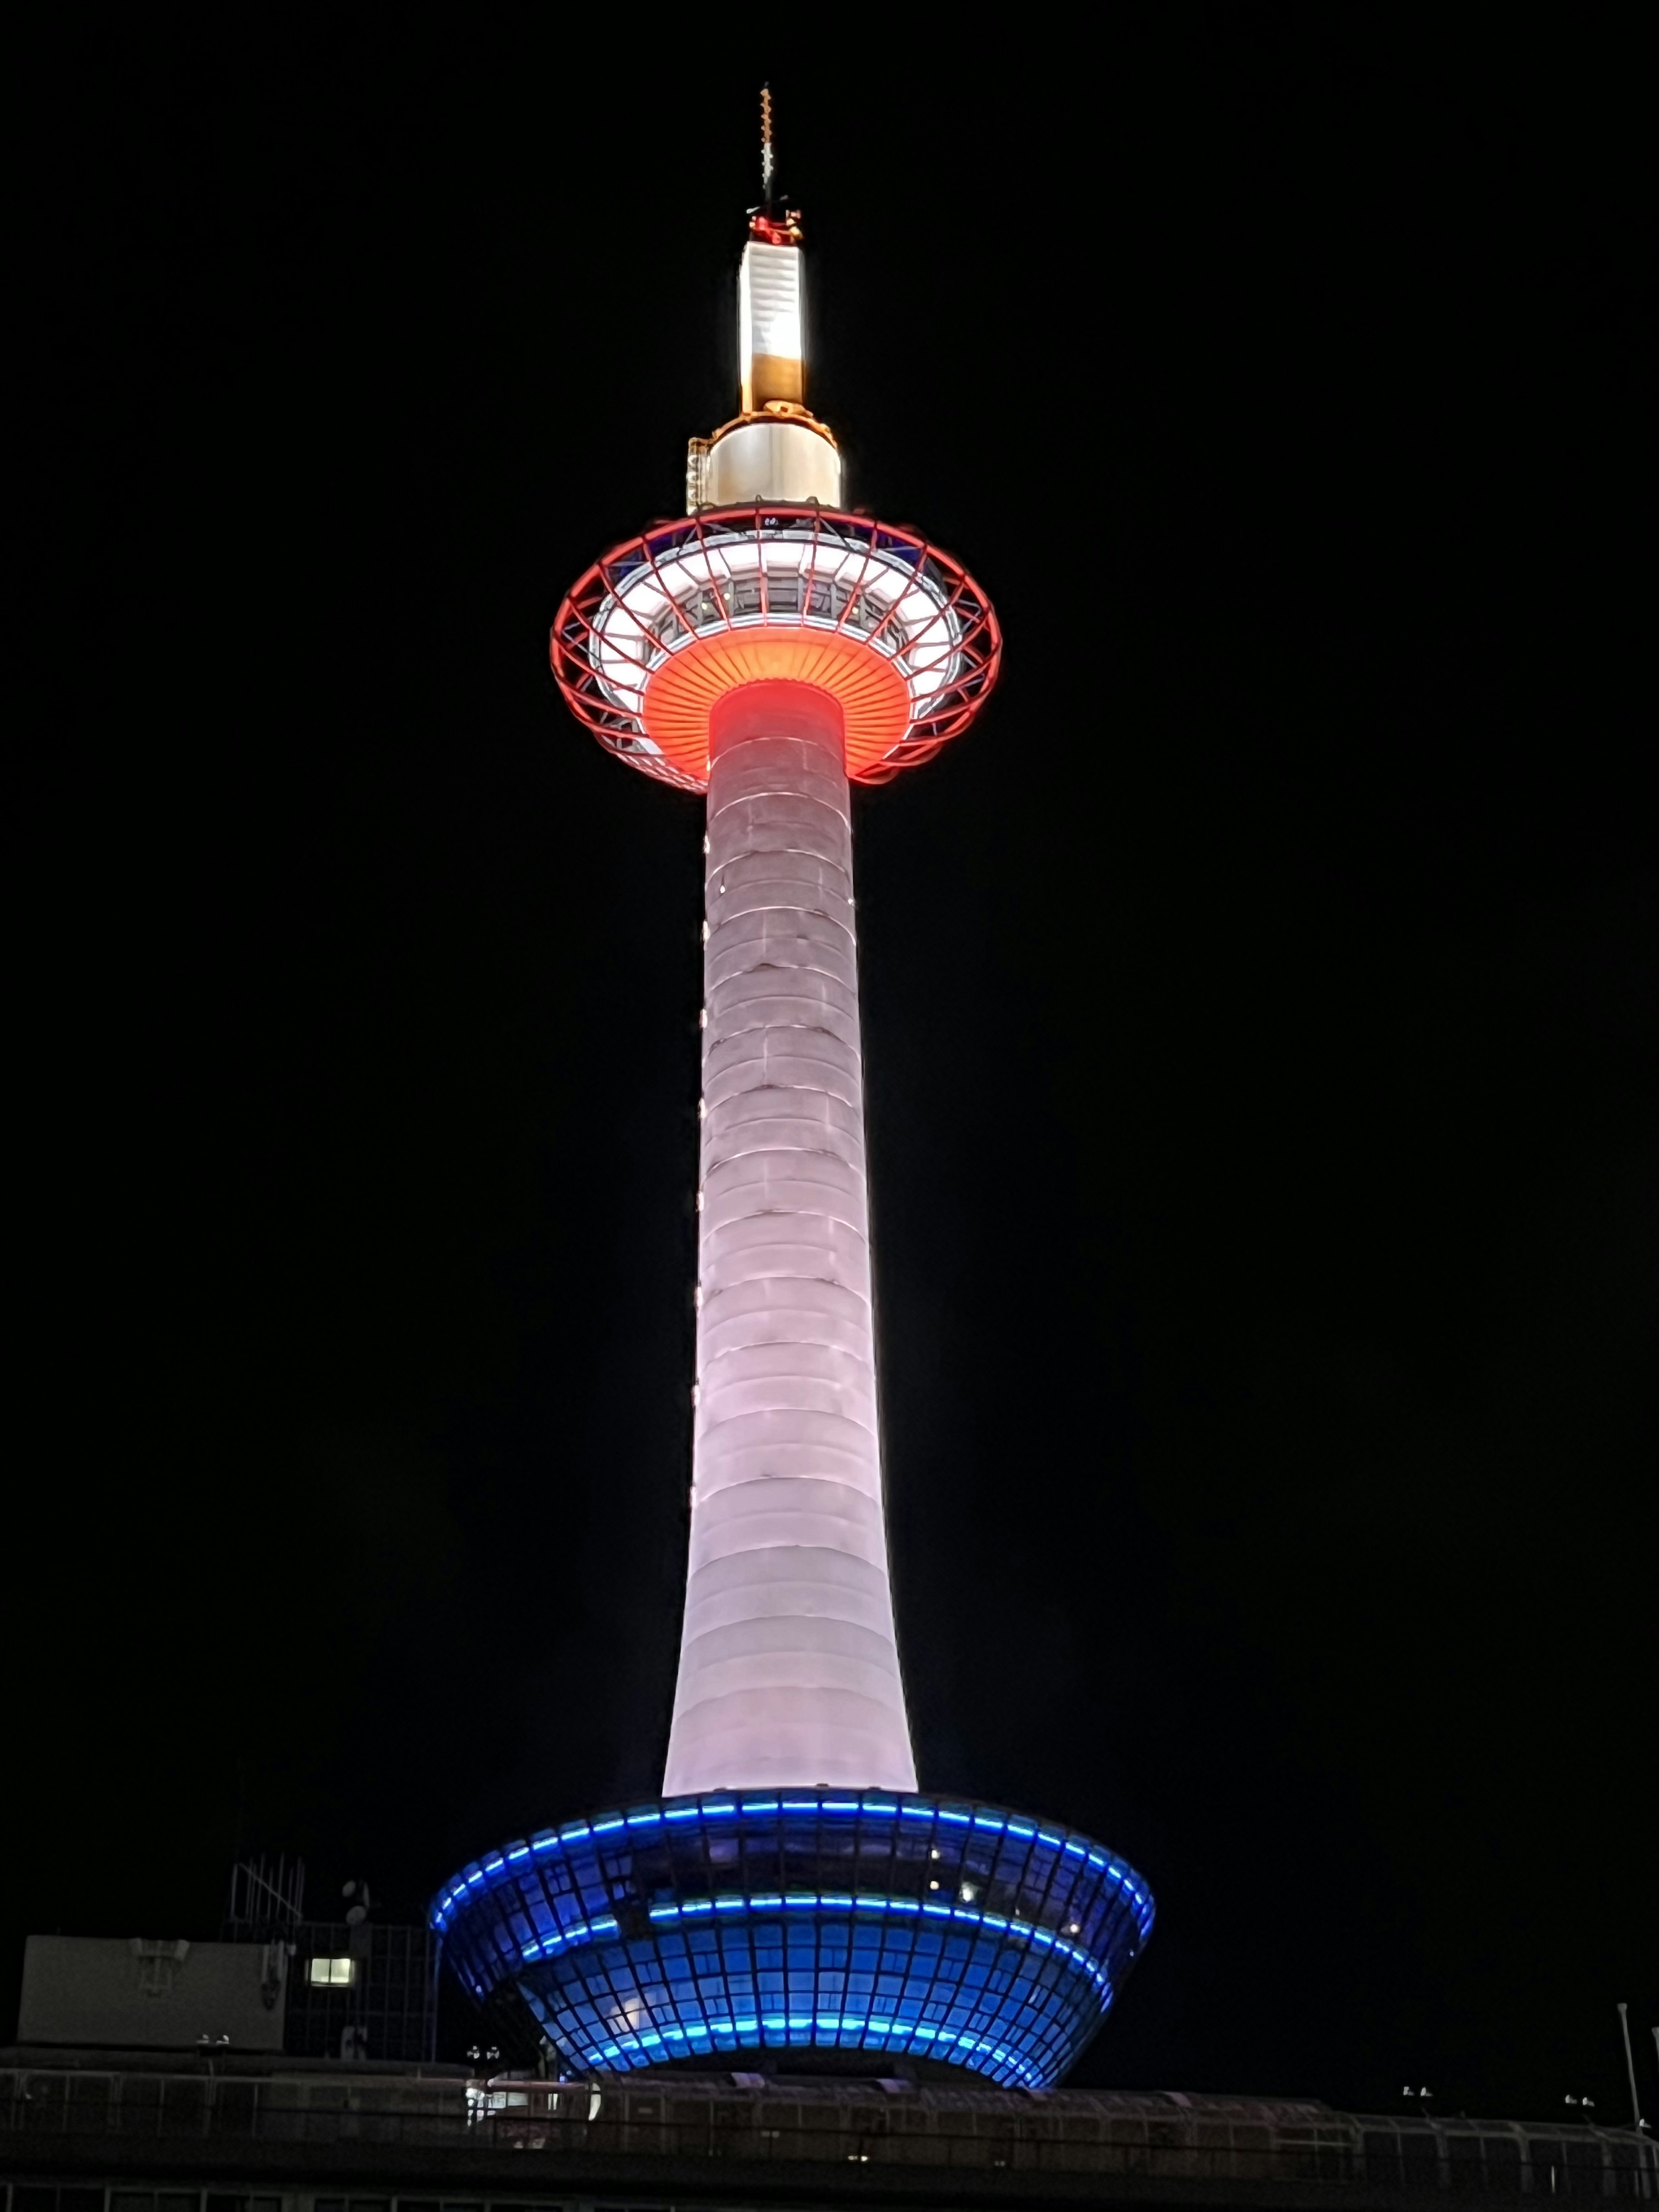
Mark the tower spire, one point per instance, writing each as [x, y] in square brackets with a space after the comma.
[769, 167]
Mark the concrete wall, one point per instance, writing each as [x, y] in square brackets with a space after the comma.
[113, 1992]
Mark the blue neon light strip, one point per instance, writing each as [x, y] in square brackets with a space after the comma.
[732, 2035]
[584, 1931]
[666, 1916]
[501, 1866]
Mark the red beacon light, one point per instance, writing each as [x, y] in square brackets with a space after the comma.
[769, 578]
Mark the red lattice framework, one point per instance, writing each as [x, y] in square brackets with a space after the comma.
[667, 623]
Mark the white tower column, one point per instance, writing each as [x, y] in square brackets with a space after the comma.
[788, 1668]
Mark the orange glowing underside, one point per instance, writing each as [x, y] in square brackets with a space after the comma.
[875, 700]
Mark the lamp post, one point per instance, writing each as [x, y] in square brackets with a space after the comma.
[1630, 2064]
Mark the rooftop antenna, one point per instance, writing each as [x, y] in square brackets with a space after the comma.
[769, 167]
[266, 1894]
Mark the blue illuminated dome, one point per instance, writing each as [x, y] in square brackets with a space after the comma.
[832, 1920]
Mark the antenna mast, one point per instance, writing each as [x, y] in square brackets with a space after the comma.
[769, 167]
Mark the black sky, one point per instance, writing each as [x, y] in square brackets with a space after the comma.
[1259, 1002]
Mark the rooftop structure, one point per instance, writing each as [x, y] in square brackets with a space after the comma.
[357, 1987]
[792, 1889]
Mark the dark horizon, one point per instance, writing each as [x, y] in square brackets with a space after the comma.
[1267, 1369]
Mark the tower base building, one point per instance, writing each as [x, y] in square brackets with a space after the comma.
[820, 1920]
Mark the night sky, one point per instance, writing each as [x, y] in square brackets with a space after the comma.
[1259, 1001]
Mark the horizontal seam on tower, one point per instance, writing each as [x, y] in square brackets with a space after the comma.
[712, 1166]
[850, 1619]
[863, 1362]
[772, 1028]
[762, 1026]
[720, 864]
[888, 1636]
[790, 986]
[738, 1657]
[864, 1353]
[731, 915]
[715, 1099]
[746, 1055]
[836, 844]
[712, 1106]
[763, 1199]
[719, 1696]
[865, 1359]
[801, 799]
[784, 1213]
[829, 1552]
[726, 900]
[791, 1151]
[727, 1290]
[781, 852]
[781, 1153]
[747, 1090]
[698, 1663]
[777, 968]
[834, 1482]
[708, 1430]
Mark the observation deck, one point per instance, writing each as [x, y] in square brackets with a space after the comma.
[667, 623]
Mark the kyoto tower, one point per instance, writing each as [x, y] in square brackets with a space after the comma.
[792, 1890]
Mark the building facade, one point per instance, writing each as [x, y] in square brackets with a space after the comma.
[97, 2132]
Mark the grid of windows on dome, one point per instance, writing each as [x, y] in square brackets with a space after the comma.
[792, 1890]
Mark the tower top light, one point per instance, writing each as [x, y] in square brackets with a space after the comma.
[770, 579]
[775, 448]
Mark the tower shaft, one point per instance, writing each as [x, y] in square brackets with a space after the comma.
[789, 1667]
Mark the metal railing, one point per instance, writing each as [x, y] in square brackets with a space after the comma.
[1068, 2134]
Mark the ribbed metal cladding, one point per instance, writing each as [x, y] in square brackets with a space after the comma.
[788, 1668]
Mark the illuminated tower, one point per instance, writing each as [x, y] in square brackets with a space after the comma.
[792, 1889]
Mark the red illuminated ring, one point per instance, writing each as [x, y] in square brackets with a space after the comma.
[665, 625]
